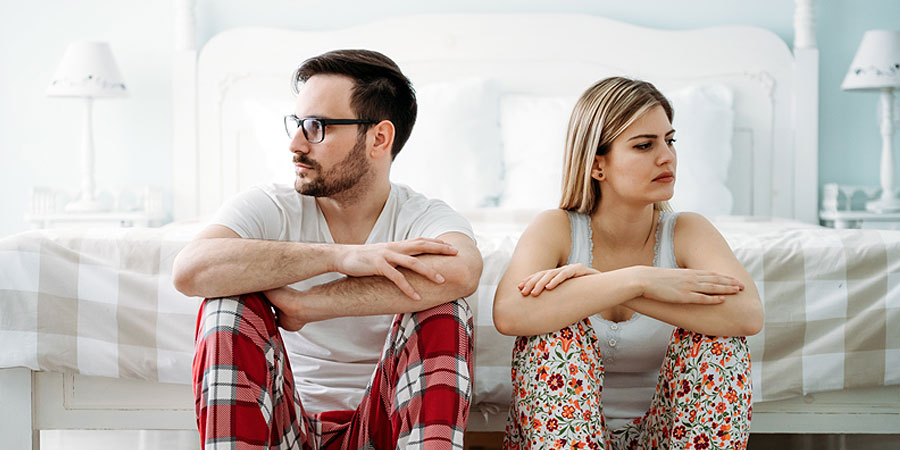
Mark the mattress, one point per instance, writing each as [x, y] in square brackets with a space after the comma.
[101, 302]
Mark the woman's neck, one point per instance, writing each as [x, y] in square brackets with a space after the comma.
[622, 226]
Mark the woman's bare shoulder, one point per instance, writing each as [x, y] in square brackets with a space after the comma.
[550, 221]
[696, 237]
[691, 223]
[549, 232]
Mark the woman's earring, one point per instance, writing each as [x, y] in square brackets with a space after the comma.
[598, 174]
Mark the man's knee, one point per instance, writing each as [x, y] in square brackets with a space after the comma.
[219, 314]
[249, 314]
[457, 310]
[447, 322]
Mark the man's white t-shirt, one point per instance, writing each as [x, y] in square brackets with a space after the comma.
[333, 360]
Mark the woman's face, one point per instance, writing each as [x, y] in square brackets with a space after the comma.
[640, 166]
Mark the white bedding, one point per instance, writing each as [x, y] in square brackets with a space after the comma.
[102, 303]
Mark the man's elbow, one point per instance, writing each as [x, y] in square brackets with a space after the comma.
[465, 276]
[184, 275]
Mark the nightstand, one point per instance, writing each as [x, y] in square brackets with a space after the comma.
[844, 206]
[137, 207]
[860, 219]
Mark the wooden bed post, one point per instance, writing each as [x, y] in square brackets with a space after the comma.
[806, 113]
[184, 112]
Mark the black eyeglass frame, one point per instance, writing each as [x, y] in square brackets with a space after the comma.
[322, 123]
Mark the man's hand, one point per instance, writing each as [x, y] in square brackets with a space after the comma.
[364, 292]
[284, 299]
[384, 258]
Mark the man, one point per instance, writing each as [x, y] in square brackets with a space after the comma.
[366, 276]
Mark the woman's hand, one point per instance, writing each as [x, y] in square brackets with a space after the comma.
[535, 283]
[685, 285]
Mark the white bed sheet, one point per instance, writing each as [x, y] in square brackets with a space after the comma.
[101, 302]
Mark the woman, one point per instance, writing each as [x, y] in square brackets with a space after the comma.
[618, 301]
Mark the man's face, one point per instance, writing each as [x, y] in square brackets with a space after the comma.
[339, 162]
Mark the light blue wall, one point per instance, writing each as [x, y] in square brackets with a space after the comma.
[40, 136]
[322, 14]
[849, 139]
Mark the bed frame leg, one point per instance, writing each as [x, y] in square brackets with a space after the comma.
[16, 414]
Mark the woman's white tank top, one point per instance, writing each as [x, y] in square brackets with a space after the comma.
[632, 350]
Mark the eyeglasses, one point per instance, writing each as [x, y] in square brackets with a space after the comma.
[314, 128]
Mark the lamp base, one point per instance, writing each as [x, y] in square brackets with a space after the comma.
[84, 206]
[883, 205]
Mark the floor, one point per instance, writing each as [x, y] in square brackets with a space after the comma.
[492, 441]
[188, 440]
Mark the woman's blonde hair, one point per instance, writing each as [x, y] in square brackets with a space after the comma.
[601, 114]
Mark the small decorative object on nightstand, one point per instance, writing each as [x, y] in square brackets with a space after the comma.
[137, 207]
[845, 207]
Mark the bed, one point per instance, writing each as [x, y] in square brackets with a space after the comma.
[94, 336]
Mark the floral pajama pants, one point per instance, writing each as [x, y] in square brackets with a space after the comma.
[702, 398]
[244, 392]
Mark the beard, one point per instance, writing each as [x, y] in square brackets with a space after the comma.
[343, 176]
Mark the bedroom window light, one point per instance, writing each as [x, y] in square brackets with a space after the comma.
[314, 128]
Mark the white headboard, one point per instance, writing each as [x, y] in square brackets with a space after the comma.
[774, 164]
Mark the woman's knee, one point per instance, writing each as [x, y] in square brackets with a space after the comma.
[718, 364]
[723, 349]
[573, 342]
[564, 361]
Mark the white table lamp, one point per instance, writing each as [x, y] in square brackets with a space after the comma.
[876, 67]
[89, 71]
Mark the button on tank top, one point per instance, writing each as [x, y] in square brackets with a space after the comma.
[632, 350]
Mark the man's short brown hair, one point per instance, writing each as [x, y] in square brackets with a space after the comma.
[380, 92]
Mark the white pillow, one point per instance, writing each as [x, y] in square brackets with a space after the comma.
[454, 152]
[704, 124]
[270, 162]
[534, 129]
[534, 137]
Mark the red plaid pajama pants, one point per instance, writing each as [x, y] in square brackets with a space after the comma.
[244, 391]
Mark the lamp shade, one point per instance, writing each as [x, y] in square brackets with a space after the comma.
[87, 70]
[877, 62]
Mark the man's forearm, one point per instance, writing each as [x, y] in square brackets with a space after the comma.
[234, 266]
[362, 296]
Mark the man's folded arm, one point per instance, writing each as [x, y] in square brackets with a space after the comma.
[371, 295]
[218, 263]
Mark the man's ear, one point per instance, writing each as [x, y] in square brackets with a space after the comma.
[383, 139]
[597, 172]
